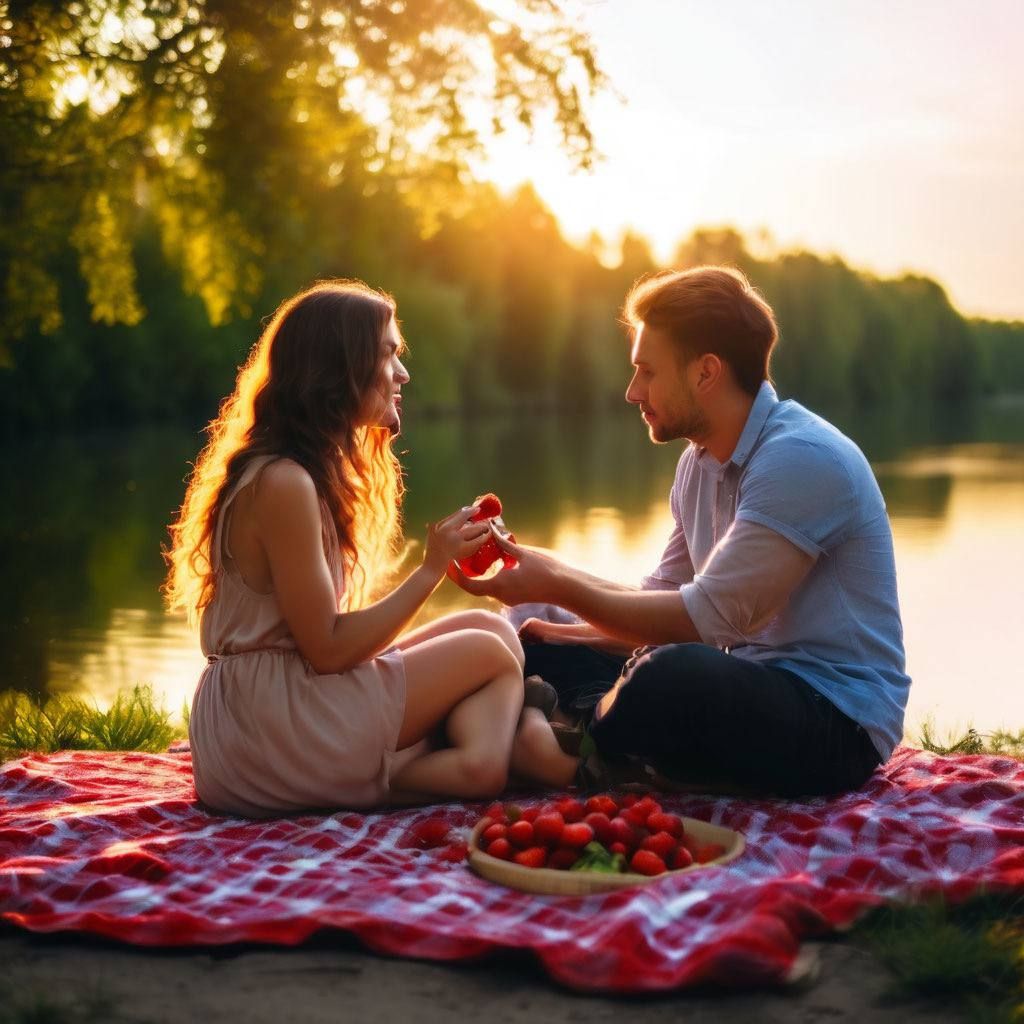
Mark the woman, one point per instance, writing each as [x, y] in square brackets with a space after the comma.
[311, 698]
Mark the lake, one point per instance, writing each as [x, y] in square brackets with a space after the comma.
[85, 517]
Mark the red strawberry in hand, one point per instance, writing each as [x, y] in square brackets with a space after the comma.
[488, 507]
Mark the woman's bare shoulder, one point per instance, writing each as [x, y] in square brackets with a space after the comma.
[284, 480]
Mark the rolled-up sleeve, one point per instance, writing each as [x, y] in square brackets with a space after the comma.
[746, 582]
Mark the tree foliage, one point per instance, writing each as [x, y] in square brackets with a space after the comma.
[169, 173]
[217, 121]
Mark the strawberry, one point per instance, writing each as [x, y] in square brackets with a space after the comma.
[602, 805]
[571, 810]
[647, 862]
[547, 828]
[649, 804]
[495, 831]
[482, 559]
[661, 822]
[660, 843]
[682, 858]
[487, 507]
[636, 815]
[520, 834]
[534, 857]
[500, 848]
[602, 826]
[563, 858]
[530, 813]
[629, 799]
[623, 832]
[577, 835]
[619, 848]
[708, 852]
[496, 812]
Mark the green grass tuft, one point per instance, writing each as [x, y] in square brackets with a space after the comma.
[1000, 742]
[135, 721]
[971, 954]
[32, 1006]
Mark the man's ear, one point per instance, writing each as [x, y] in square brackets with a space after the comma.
[706, 372]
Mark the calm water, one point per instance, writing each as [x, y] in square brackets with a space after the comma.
[81, 530]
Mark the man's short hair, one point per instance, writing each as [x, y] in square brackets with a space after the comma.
[709, 309]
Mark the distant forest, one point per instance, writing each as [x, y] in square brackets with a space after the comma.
[500, 311]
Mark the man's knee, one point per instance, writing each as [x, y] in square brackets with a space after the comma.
[655, 697]
[668, 673]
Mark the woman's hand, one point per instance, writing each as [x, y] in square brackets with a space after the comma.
[453, 538]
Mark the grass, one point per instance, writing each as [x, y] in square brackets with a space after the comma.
[1001, 742]
[135, 721]
[20, 1006]
[970, 956]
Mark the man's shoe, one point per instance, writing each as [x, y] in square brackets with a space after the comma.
[540, 694]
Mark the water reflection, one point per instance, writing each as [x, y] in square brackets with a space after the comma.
[81, 531]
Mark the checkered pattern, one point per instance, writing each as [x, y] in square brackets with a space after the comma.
[115, 844]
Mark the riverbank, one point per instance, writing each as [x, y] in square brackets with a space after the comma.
[331, 979]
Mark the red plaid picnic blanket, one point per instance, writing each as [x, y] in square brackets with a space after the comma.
[116, 844]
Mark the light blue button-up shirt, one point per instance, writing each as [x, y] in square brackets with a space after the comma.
[839, 628]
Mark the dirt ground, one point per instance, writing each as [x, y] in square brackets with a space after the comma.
[333, 979]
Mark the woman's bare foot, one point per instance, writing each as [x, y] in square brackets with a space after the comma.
[536, 754]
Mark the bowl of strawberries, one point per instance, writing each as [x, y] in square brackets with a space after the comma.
[573, 846]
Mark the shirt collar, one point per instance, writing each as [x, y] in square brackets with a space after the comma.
[764, 401]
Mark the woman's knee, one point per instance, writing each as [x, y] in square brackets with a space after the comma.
[490, 622]
[486, 646]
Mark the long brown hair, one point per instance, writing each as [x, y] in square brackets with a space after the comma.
[299, 395]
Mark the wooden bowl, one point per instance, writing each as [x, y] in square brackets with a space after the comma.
[581, 883]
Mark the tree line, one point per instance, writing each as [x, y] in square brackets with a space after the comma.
[499, 311]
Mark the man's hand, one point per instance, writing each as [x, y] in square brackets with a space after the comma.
[629, 618]
[535, 578]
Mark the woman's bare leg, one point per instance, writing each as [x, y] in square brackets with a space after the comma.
[475, 618]
[471, 681]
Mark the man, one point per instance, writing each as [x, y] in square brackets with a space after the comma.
[770, 644]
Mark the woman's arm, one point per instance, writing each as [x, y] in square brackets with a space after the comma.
[287, 511]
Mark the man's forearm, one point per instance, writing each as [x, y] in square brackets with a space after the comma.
[633, 616]
[580, 633]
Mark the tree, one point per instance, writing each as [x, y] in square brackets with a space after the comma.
[211, 118]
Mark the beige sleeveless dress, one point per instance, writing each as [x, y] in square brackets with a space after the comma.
[269, 735]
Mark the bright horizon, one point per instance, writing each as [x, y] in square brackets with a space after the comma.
[892, 137]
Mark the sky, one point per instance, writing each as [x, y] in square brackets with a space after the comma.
[890, 133]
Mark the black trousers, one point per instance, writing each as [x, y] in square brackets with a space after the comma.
[698, 714]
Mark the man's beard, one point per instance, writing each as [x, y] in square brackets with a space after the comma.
[691, 424]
